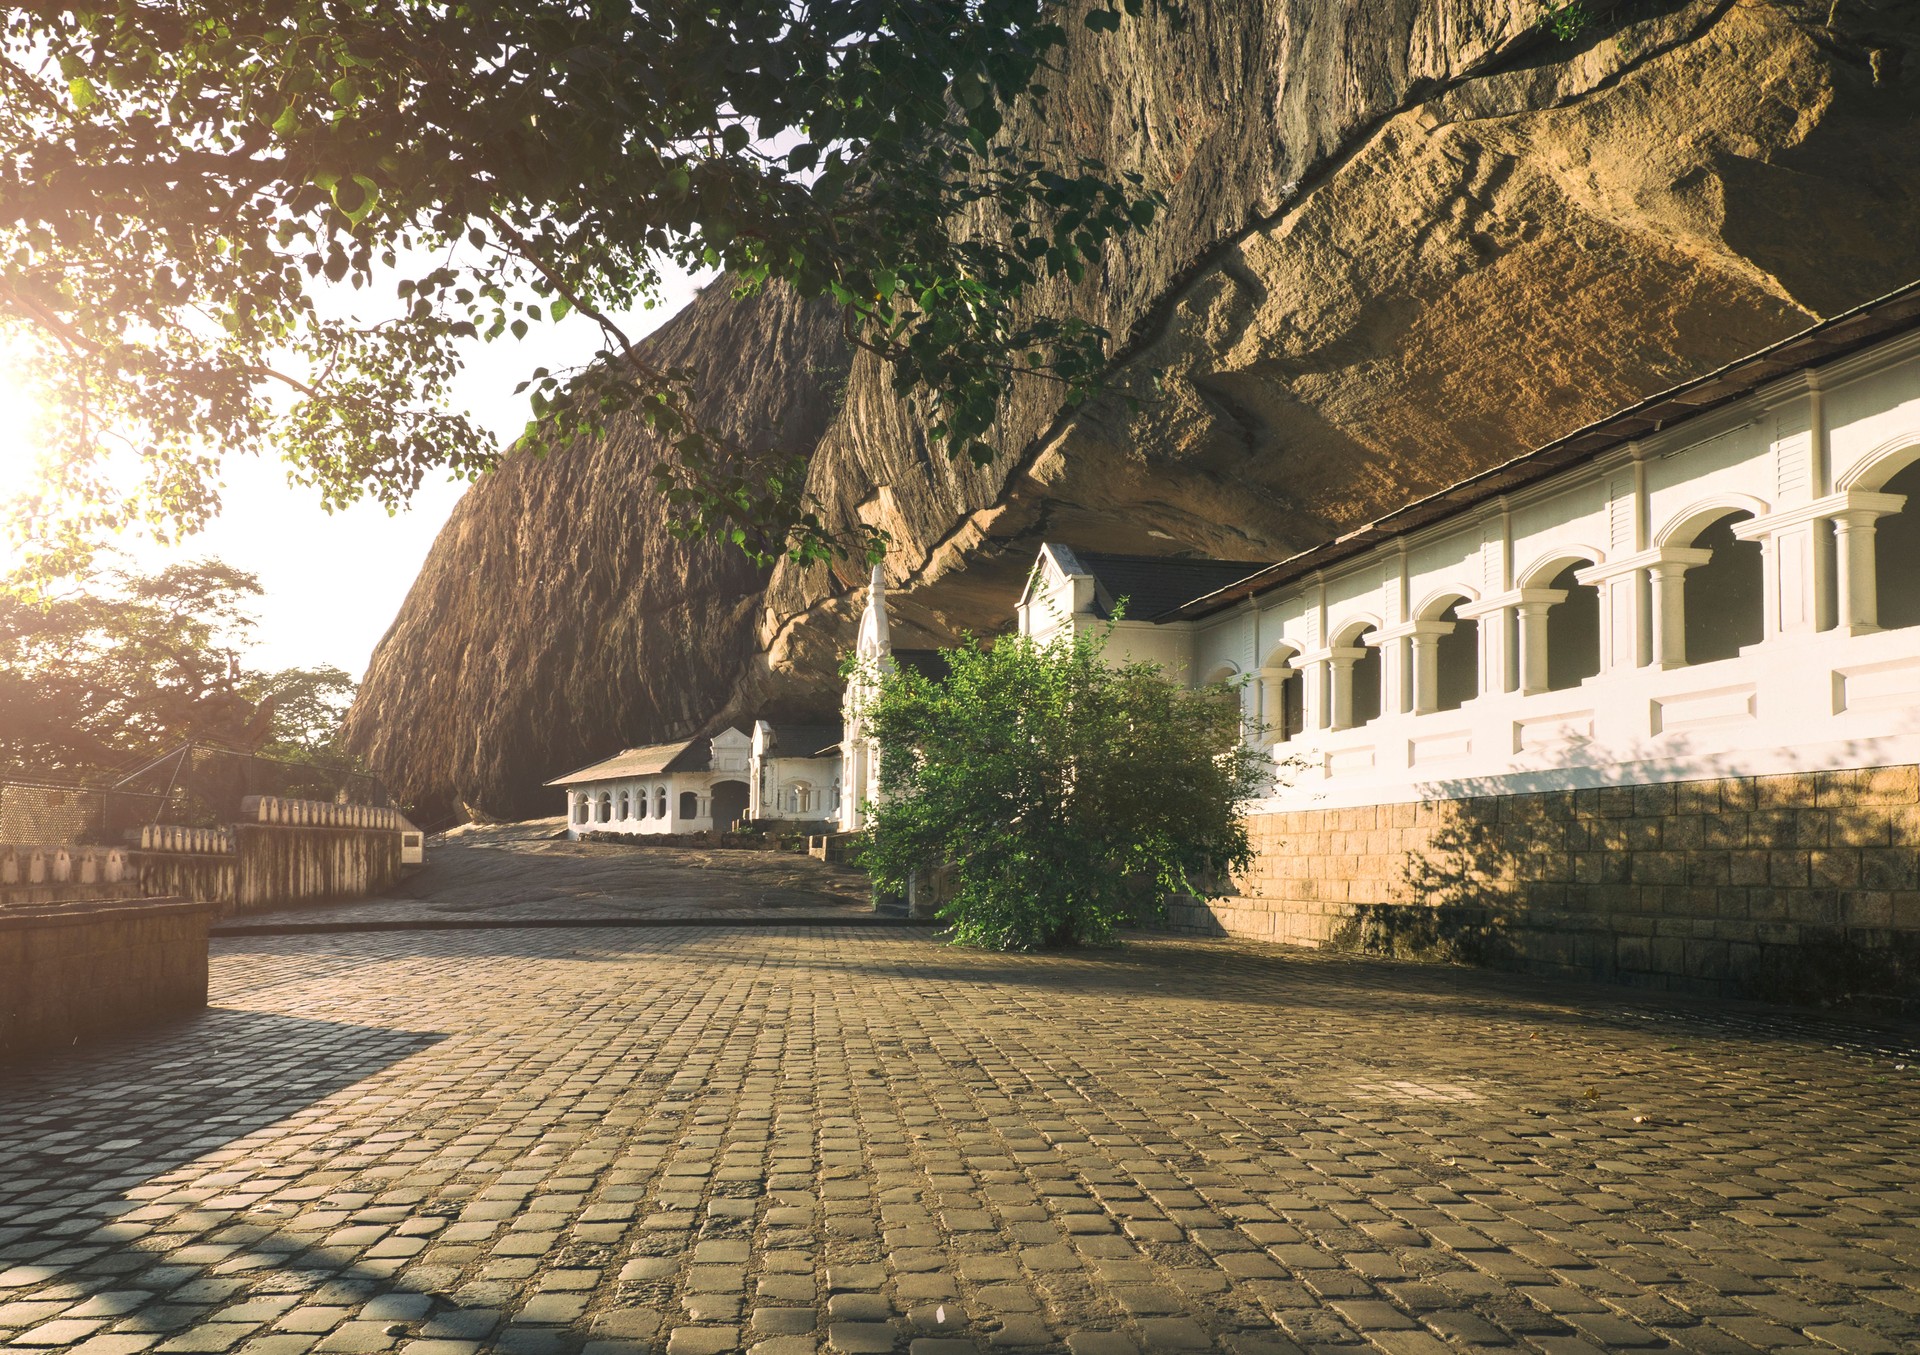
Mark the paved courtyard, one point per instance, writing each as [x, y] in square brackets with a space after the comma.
[519, 872]
[703, 1139]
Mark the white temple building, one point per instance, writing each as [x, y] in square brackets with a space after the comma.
[781, 773]
[796, 773]
[687, 787]
[1722, 582]
[1641, 704]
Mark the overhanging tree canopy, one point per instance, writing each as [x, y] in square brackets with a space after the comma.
[184, 186]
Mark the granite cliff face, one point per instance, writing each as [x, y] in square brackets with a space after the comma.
[556, 619]
[1405, 241]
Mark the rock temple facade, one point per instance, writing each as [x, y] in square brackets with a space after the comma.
[1642, 704]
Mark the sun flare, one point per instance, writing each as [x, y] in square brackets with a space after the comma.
[20, 418]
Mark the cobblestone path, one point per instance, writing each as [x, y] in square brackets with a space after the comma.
[516, 872]
[705, 1139]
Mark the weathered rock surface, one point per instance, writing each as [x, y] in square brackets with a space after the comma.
[1405, 241]
[556, 619]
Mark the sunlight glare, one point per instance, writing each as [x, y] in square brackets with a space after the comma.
[19, 429]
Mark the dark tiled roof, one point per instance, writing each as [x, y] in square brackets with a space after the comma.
[690, 755]
[1154, 585]
[791, 740]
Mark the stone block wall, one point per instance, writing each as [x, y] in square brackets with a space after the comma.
[76, 972]
[1802, 887]
[272, 865]
[210, 877]
[278, 864]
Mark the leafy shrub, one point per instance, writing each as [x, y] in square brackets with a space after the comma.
[1067, 793]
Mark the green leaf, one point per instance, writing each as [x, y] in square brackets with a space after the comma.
[80, 90]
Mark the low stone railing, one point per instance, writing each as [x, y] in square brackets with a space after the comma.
[167, 837]
[317, 813]
[271, 857]
[28, 864]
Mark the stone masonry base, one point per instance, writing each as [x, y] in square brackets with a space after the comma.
[1795, 888]
[78, 971]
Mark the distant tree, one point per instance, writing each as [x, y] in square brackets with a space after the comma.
[122, 665]
[186, 187]
[1064, 792]
[306, 708]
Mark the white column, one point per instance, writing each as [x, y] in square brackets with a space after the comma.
[1424, 641]
[1858, 584]
[1318, 693]
[1402, 676]
[1426, 672]
[1533, 643]
[1668, 616]
[1273, 705]
[1340, 687]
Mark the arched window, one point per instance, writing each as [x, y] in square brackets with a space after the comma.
[660, 803]
[689, 805]
[582, 808]
[1723, 605]
[606, 806]
[1366, 677]
[1293, 706]
[626, 805]
[1456, 658]
[1573, 631]
[1896, 554]
[799, 798]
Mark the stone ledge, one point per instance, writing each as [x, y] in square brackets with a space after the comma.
[78, 971]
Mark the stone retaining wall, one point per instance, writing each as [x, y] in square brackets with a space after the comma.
[1798, 888]
[80, 971]
[332, 855]
[273, 865]
[279, 864]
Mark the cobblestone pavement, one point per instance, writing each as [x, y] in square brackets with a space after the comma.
[517, 872]
[700, 1140]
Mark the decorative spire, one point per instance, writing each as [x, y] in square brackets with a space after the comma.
[874, 640]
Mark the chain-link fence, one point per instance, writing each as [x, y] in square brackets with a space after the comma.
[193, 786]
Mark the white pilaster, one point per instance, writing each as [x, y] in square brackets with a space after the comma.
[1853, 533]
[1533, 639]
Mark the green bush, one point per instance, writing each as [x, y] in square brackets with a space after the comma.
[1067, 793]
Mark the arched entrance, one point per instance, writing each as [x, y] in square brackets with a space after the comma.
[1723, 604]
[1897, 554]
[1573, 631]
[729, 803]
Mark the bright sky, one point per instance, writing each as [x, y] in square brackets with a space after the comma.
[334, 582]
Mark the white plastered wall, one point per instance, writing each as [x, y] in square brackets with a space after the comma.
[1824, 688]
